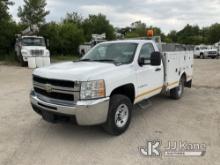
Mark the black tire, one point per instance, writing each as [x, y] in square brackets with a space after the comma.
[116, 102]
[202, 56]
[22, 62]
[177, 92]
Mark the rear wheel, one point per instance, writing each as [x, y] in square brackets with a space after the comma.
[177, 92]
[119, 115]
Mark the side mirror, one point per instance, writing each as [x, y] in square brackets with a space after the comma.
[155, 59]
[143, 61]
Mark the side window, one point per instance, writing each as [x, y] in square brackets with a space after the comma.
[146, 51]
[197, 48]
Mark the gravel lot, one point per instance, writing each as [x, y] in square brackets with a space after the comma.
[27, 139]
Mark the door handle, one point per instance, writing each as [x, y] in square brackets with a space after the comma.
[158, 69]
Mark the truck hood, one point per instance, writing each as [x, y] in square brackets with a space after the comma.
[75, 71]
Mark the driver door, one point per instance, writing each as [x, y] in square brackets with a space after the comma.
[150, 78]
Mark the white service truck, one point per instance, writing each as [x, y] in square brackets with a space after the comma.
[96, 39]
[104, 85]
[217, 46]
[203, 51]
[30, 49]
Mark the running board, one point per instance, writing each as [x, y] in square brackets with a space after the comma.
[144, 104]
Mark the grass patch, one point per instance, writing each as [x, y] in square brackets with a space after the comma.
[59, 58]
[8, 59]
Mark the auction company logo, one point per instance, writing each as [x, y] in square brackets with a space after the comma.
[153, 148]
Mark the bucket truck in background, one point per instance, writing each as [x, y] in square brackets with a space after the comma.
[31, 49]
[96, 39]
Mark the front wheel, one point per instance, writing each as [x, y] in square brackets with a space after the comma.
[177, 92]
[119, 115]
[202, 56]
[22, 62]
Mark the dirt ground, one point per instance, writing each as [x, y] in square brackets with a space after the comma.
[27, 139]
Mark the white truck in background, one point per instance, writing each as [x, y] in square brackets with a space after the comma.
[105, 84]
[30, 49]
[204, 51]
[96, 39]
[217, 46]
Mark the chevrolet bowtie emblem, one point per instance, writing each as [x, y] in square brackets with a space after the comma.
[48, 88]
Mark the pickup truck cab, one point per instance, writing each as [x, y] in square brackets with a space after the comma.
[203, 51]
[103, 86]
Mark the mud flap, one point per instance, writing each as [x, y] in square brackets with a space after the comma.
[188, 84]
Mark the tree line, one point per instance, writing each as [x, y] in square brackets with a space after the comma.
[66, 35]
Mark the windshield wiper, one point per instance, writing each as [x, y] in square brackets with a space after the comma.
[109, 60]
[102, 60]
[106, 60]
[86, 59]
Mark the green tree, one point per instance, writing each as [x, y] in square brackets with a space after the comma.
[8, 28]
[205, 34]
[7, 37]
[70, 38]
[98, 24]
[138, 29]
[74, 18]
[4, 6]
[214, 33]
[33, 12]
[124, 31]
[189, 35]
[172, 36]
[51, 32]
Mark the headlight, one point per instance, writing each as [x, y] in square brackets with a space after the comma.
[24, 53]
[92, 89]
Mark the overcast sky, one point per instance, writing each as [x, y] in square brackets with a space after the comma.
[166, 14]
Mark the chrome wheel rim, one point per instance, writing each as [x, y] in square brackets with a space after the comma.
[121, 115]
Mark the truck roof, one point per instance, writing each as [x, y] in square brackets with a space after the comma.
[32, 36]
[131, 41]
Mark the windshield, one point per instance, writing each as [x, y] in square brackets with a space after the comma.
[203, 48]
[33, 41]
[121, 53]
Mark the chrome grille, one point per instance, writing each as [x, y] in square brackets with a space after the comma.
[56, 91]
[37, 52]
[212, 52]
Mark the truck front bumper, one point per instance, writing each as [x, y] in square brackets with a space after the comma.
[212, 55]
[91, 112]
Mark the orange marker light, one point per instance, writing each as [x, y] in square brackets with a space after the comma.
[150, 33]
[101, 91]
